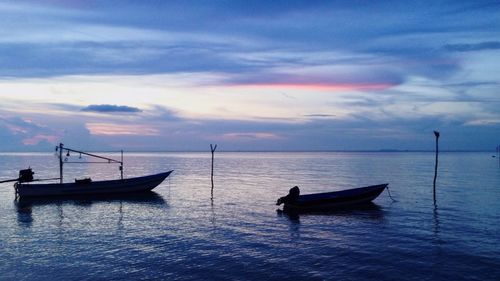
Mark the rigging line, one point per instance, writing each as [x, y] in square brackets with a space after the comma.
[389, 192]
[90, 154]
[91, 162]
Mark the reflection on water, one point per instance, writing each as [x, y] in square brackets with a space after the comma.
[25, 206]
[24, 216]
[151, 197]
[369, 211]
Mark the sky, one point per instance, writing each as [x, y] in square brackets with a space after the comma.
[249, 75]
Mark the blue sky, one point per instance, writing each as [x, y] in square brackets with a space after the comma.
[249, 75]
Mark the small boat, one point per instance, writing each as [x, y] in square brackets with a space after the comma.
[24, 186]
[330, 200]
[86, 187]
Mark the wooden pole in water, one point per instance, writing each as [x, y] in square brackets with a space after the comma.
[498, 154]
[121, 164]
[212, 149]
[60, 163]
[436, 133]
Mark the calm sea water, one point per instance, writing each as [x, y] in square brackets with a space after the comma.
[176, 233]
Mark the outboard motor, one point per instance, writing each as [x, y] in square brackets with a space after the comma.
[293, 196]
[26, 175]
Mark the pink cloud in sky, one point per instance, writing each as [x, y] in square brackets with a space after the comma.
[16, 129]
[40, 137]
[320, 86]
[251, 135]
[121, 129]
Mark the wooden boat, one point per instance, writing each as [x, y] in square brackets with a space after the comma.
[25, 187]
[86, 187]
[330, 200]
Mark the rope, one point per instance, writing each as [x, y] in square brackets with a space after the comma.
[4, 181]
[389, 192]
[16, 190]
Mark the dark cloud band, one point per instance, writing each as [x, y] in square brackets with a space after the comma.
[105, 108]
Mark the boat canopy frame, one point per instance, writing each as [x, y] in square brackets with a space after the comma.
[61, 149]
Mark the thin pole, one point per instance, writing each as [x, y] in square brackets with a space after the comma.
[60, 163]
[212, 149]
[121, 164]
[436, 133]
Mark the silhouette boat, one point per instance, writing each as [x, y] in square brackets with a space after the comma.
[88, 187]
[24, 186]
[349, 198]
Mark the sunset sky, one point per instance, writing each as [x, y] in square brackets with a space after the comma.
[249, 75]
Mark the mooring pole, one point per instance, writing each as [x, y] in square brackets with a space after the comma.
[436, 133]
[121, 164]
[212, 149]
[498, 154]
[60, 162]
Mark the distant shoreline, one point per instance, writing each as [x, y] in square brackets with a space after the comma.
[265, 151]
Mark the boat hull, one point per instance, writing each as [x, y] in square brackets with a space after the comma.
[130, 185]
[335, 200]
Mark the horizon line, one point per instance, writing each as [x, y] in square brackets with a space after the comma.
[266, 151]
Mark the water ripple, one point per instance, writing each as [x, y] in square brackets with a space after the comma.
[178, 233]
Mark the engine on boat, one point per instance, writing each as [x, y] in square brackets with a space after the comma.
[83, 181]
[26, 175]
[293, 196]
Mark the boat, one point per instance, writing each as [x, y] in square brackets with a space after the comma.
[24, 186]
[138, 184]
[294, 202]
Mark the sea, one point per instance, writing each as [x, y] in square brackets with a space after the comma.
[179, 232]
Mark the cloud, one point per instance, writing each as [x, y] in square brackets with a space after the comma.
[331, 87]
[386, 64]
[490, 45]
[107, 108]
[339, 69]
[105, 129]
[162, 114]
[39, 138]
[483, 122]
[250, 135]
[319, 115]
[16, 132]
[139, 38]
